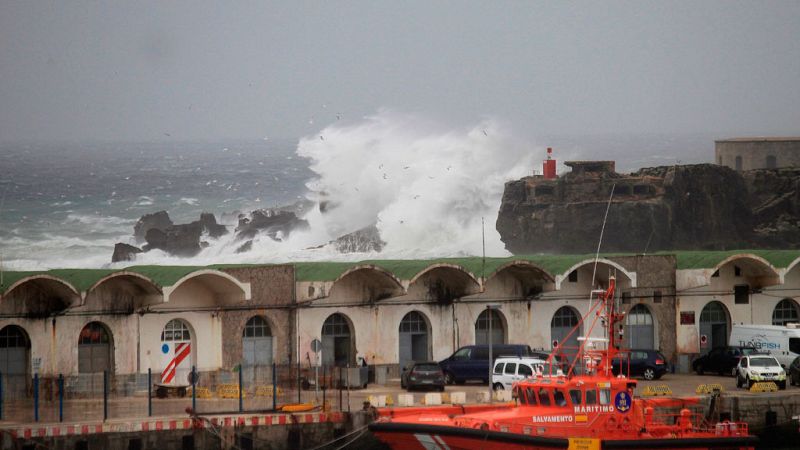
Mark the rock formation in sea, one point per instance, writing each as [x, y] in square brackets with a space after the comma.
[687, 207]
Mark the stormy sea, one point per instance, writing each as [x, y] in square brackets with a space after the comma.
[425, 186]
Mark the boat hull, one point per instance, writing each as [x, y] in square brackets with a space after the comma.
[428, 437]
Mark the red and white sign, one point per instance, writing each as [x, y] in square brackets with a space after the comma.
[703, 341]
[555, 343]
[178, 362]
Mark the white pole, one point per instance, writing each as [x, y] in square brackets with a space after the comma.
[491, 362]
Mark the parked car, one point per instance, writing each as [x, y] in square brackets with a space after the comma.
[722, 360]
[508, 370]
[560, 360]
[645, 363]
[422, 375]
[759, 368]
[794, 372]
[782, 342]
[472, 361]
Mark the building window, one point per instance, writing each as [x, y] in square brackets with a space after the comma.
[175, 330]
[785, 312]
[737, 271]
[741, 293]
[772, 162]
[573, 276]
[739, 163]
[656, 296]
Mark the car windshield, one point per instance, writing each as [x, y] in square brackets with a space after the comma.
[426, 368]
[748, 351]
[763, 362]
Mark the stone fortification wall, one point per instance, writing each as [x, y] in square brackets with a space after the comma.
[757, 153]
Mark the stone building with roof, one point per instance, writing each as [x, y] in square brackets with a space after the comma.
[749, 153]
[168, 319]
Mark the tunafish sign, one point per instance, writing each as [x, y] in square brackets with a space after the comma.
[594, 409]
[552, 419]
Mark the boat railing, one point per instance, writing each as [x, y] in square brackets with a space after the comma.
[689, 422]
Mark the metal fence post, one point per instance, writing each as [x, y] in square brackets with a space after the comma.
[1, 395]
[274, 387]
[36, 397]
[241, 404]
[60, 397]
[194, 389]
[105, 395]
[298, 380]
[149, 392]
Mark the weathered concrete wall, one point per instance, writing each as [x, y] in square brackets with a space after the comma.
[754, 152]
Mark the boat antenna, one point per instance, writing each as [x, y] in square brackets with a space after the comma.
[602, 230]
[483, 243]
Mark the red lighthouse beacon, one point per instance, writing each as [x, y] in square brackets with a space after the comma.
[549, 166]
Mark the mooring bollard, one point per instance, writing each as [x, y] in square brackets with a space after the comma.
[60, 397]
[36, 397]
[274, 387]
[149, 392]
[241, 405]
[105, 395]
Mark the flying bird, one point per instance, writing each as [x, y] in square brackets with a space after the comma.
[485, 133]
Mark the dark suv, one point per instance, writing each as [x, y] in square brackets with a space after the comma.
[648, 364]
[722, 360]
[472, 361]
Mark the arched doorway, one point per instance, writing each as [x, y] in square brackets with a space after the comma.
[786, 311]
[95, 349]
[641, 331]
[414, 339]
[176, 348]
[15, 360]
[338, 345]
[564, 320]
[482, 325]
[714, 326]
[257, 342]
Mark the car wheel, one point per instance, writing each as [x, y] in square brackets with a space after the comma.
[441, 388]
[449, 378]
[498, 387]
[649, 373]
[699, 369]
[782, 385]
[747, 382]
[733, 372]
[738, 381]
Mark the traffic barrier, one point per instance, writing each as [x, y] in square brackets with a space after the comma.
[458, 398]
[378, 401]
[709, 388]
[482, 397]
[659, 389]
[229, 391]
[405, 400]
[266, 391]
[432, 398]
[445, 397]
[502, 396]
[389, 400]
[200, 392]
[764, 386]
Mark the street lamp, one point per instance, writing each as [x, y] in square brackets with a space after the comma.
[489, 309]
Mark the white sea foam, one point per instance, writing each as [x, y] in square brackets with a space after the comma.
[144, 201]
[188, 201]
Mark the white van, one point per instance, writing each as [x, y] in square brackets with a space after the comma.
[782, 342]
[508, 370]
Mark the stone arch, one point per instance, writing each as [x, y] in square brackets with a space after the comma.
[443, 283]
[641, 328]
[765, 274]
[15, 354]
[499, 327]
[715, 325]
[628, 274]
[786, 311]
[39, 295]
[95, 348]
[414, 338]
[367, 283]
[123, 291]
[223, 287]
[520, 271]
[338, 340]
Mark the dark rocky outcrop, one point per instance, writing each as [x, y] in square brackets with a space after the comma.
[700, 206]
[124, 252]
[159, 220]
[275, 223]
[364, 240]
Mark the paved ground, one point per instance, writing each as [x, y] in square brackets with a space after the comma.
[21, 412]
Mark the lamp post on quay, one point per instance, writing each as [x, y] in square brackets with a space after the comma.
[489, 309]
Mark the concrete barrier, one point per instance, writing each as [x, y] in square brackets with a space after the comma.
[482, 397]
[432, 398]
[378, 401]
[458, 398]
[405, 400]
[502, 396]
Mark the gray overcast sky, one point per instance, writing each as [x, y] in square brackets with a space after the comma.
[78, 70]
